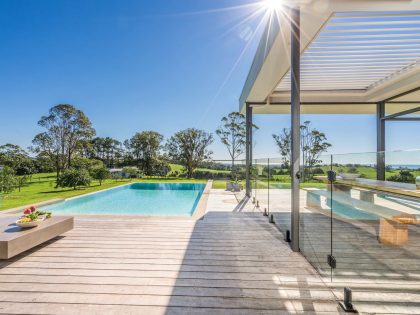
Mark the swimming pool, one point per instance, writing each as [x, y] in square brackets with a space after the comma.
[168, 199]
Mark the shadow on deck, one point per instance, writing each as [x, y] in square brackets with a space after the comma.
[384, 278]
[227, 263]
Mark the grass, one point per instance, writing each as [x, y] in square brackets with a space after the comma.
[180, 169]
[42, 188]
[365, 171]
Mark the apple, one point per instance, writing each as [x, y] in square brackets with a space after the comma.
[27, 211]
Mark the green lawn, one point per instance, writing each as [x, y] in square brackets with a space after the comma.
[365, 171]
[180, 169]
[42, 188]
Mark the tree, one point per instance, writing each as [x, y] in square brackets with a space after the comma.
[189, 148]
[86, 164]
[8, 180]
[160, 167]
[44, 164]
[21, 181]
[26, 167]
[404, 176]
[66, 129]
[73, 178]
[15, 157]
[312, 141]
[100, 174]
[232, 133]
[144, 147]
[108, 150]
[131, 172]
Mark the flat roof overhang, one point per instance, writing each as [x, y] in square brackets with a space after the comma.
[354, 54]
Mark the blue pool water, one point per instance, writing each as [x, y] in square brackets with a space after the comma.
[350, 212]
[139, 198]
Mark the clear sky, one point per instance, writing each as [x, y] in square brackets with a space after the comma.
[138, 65]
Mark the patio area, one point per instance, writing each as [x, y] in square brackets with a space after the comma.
[385, 279]
[234, 263]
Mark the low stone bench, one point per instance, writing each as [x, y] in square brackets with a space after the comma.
[15, 240]
[393, 230]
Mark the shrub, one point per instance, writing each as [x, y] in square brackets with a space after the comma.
[100, 174]
[21, 181]
[131, 172]
[74, 178]
[402, 177]
[86, 164]
[117, 176]
[317, 171]
[7, 180]
[210, 175]
[353, 170]
[160, 168]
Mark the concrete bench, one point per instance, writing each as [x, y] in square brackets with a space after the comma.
[15, 240]
[314, 195]
[392, 227]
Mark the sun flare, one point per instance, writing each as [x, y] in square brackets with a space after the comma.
[273, 5]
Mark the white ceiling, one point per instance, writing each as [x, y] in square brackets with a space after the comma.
[353, 51]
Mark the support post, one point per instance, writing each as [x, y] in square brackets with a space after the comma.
[295, 123]
[380, 127]
[248, 149]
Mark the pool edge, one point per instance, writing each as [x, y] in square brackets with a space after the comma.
[201, 208]
[198, 214]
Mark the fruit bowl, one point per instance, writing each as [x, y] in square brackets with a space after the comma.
[31, 217]
[28, 224]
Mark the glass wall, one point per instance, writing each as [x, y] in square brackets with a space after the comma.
[376, 225]
[260, 185]
[315, 212]
[362, 233]
[355, 230]
[358, 232]
[280, 195]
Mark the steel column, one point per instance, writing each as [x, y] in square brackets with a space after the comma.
[248, 149]
[380, 132]
[295, 123]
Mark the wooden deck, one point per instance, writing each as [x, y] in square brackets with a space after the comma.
[228, 263]
[385, 279]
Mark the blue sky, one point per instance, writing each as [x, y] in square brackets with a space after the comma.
[136, 65]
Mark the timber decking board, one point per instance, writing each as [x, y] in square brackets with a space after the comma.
[225, 264]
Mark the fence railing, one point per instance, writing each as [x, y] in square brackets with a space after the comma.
[355, 230]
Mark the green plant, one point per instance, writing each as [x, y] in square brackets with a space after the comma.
[312, 143]
[74, 178]
[317, 171]
[100, 174]
[67, 128]
[232, 134]
[160, 167]
[402, 177]
[190, 148]
[131, 172]
[8, 180]
[144, 149]
[86, 164]
[21, 181]
[353, 170]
